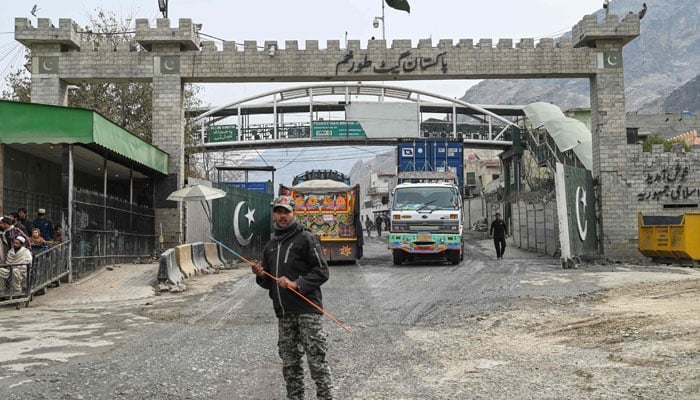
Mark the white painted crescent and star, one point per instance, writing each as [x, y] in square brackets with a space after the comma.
[250, 216]
[169, 65]
[612, 59]
[47, 65]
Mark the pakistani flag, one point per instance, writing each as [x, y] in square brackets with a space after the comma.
[399, 5]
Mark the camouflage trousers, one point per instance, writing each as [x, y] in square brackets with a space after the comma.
[299, 334]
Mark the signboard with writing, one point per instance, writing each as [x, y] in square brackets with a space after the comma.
[256, 186]
[337, 129]
[223, 133]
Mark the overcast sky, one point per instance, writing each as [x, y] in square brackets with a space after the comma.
[239, 20]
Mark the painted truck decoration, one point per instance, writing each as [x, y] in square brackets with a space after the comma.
[426, 221]
[330, 209]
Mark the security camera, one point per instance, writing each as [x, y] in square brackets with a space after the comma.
[375, 23]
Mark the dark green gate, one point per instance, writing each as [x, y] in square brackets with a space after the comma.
[241, 221]
[577, 214]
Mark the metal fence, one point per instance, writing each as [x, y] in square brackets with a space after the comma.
[18, 283]
[109, 231]
[14, 199]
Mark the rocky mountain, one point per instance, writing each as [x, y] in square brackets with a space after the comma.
[665, 57]
[685, 98]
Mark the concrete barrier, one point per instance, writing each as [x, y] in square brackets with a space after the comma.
[222, 254]
[183, 254]
[212, 255]
[200, 260]
[168, 271]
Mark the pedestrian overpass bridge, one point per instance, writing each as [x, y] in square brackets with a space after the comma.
[352, 115]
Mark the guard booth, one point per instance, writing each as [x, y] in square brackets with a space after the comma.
[670, 239]
[95, 180]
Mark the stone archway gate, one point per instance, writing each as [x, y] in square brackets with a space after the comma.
[175, 55]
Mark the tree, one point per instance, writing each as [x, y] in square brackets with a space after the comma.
[658, 139]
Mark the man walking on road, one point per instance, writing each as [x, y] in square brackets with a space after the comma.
[499, 231]
[294, 257]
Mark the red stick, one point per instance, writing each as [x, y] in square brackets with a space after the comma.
[327, 314]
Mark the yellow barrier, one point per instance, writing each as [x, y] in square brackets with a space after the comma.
[183, 254]
[212, 255]
[673, 239]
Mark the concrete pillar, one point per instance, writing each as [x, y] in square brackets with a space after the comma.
[609, 147]
[168, 135]
[49, 89]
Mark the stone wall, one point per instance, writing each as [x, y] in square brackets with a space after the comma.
[535, 228]
[653, 183]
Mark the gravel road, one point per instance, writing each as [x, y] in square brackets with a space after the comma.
[519, 328]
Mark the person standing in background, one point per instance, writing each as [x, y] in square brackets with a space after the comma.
[499, 231]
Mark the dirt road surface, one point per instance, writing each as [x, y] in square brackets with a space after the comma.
[520, 328]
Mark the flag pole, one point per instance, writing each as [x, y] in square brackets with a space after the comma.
[383, 23]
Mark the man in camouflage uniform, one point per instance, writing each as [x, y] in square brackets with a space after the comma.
[295, 258]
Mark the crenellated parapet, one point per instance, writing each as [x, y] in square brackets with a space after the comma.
[590, 30]
[66, 36]
[184, 37]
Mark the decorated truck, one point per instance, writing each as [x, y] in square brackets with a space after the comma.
[426, 217]
[329, 207]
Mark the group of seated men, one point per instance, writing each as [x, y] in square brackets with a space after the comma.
[18, 240]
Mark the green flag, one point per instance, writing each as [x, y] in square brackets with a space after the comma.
[399, 5]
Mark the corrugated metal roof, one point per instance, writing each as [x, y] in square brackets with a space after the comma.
[24, 123]
[567, 133]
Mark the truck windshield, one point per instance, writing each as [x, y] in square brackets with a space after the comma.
[425, 198]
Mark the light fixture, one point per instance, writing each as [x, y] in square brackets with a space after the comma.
[375, 23]
[271, 50]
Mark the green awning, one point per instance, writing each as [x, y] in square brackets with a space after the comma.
[24, 123]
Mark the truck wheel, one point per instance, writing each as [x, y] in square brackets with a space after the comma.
[455, 257]
[398, 257]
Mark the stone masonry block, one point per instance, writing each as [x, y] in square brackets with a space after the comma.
[354, 45]
[377, 45]
[311, 45]
[485, 44]
[564, 43]
[466, 44]
[505, 44]
[209, 46]
[333, 45]
[527, 43]
[425, 43]
[230, 46]
[545, 43]
[445, 44]
[401, 44]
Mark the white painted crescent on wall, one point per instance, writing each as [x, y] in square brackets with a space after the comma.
[236, 229]
[169, 65]
[47, 65]
[581, 198]
[612, 59]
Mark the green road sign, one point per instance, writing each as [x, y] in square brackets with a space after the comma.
[223, 133]
[337, 129]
